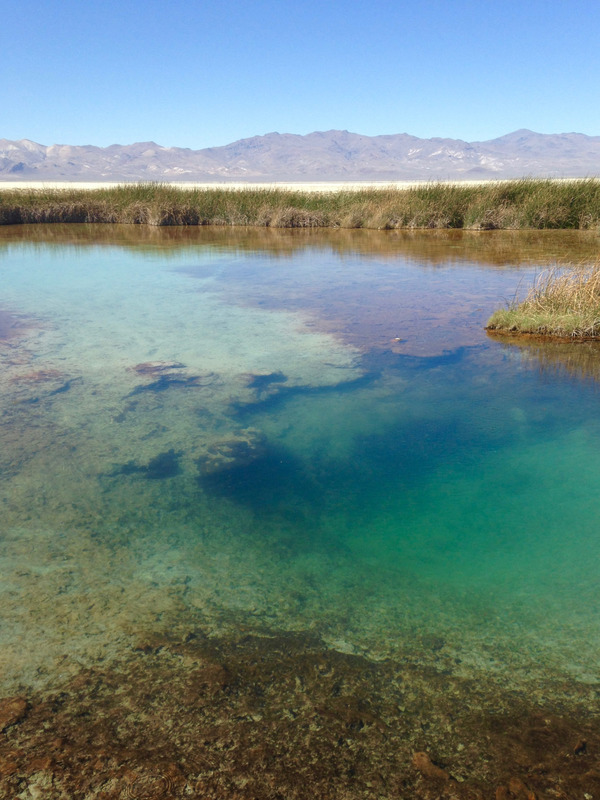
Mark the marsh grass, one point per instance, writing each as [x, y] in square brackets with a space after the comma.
[563, 302]
[516, 204]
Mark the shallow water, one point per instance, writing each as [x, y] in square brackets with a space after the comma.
[252, 434]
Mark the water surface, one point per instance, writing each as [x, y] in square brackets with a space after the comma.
[225, 434]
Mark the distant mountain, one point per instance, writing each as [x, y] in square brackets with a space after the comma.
[319, 156]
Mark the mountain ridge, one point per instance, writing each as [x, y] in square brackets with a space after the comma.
[335, 155]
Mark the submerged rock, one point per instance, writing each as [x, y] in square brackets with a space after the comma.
[236, 450]
[156, 367]
[426, 766]
[167, 374]
[167, 381]
[263, 381]
[12, 710]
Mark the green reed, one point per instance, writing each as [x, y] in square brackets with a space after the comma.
[518, 204]
[561, 303]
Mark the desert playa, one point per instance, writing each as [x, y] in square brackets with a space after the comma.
[296, 186]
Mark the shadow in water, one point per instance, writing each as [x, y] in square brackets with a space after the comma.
[276, 482]
[379, 468]
[164, 465]
[273, 394]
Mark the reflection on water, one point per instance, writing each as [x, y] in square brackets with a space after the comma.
[579, 359]
[487, 248]
[279, 495]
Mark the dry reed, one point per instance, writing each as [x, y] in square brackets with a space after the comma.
[563, 302]
[519, 204]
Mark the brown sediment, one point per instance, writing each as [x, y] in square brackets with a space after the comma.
[422, 761]
[12, 710]
[168, 374]
[5, 324]
[10, 325]
[374, 310]
[156, 368]
[38, 376]
[185, 715]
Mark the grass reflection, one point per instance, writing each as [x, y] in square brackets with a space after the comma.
[486, 248]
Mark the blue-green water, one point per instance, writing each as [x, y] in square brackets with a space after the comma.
[308, 434]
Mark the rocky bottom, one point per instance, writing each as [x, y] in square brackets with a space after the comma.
[185, 715]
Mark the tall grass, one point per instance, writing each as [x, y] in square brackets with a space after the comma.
[561, 303]
[516, 204]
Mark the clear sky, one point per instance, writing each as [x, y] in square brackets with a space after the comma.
[198, 73]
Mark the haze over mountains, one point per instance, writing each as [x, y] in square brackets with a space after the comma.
[320, 156]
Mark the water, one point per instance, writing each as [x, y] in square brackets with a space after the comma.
[266, 434]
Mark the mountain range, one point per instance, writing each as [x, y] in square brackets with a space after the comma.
[320, 156]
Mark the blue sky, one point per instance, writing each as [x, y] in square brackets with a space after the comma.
[201, 73]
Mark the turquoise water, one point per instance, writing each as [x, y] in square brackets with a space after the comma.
[307, 434]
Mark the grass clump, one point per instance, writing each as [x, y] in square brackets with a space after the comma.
[563, 303]
[520, 204]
